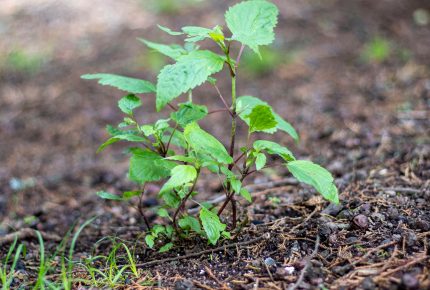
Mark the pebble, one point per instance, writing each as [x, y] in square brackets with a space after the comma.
[269, 262]
[184, 285]
[409, 282]
[332, 209]
[345, 214]
[368, 284]
[361, 221]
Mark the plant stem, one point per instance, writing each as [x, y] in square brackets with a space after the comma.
[183, 201]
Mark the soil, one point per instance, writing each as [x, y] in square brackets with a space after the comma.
[366, 121]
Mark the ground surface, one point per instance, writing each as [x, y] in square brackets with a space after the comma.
[367, 121]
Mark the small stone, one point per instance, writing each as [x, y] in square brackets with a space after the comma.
[333, 209]
[345, 214]
[361, 221]
[423, 225]
[393, 213]
[368, 284]
[409, 282]
[184, 285]
[269, 262]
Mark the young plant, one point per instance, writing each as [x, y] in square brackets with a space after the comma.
[176, 150]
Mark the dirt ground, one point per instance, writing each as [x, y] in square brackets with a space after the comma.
[366, 120]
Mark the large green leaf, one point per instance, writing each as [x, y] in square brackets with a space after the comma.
[261, 118]
[131, 85]
[274, 148]
[146, 166]
[180, 175]
[212, 225]
[190, 222]
[173, 51]
[252, 23]
[245, 104]
[202, 141]
[128, 103]
[188, 113]
[188, 72]
[315, 175]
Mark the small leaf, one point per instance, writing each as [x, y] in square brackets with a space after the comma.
[274, 148]
[129, 194]
[245, 105]
[315, 175]
[212, 225]
[166, 248]
[162, 212]
[146, 166]
[107, 195]
[149, 239]
[169, 31]
[116, 138]
[196, 33]
[180, 175]
[245, 194]
[182, 158]
[252, 23]
[128, 103]
[260, 161]
[188, 72]
[261, 118]
[201, 141]
[131, 85]
[190, 222]
[173, 51]
[188, 113]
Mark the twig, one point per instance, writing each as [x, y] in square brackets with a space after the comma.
[27, 233]
[403, 267]
[403, 189]
[308, 263]
[223, 100]
[198, 254]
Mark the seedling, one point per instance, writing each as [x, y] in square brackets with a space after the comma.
[176, 150]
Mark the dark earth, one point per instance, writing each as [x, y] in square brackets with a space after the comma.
[366, 120]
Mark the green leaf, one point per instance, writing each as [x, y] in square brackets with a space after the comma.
[146, 166]
[245, 105]
[169, 31]
[201, 141]
[166, 248]
[162, 212]
[128, 103]
[173, 51]
[245, 194]
[188, 72]
[188, 113]
[178, 138]
[315, 175]
[125, 137]
[260, 161]
[171, 199]
[131, 85]
[149, 239]
[107, 195]
[196, 33]
[261, 118]
[212, 225]
[129, 194]
[190, 222]
[252, 23]
[274, 148]
[180, 175]
[182, 158]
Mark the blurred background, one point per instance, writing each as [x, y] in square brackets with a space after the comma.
[351, 76]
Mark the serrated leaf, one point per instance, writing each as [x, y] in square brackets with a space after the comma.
[107, 195]
[149, 239]
[169, 31]
[188, 72]
[162, 212]
[116, 138]
[201, 141]
[196, 33]
[274, 148]
[182, 158]
[245, 104]
[146, 166]
[245, 194]
[315, 175]
[166, 248]
[180, 175]
[130, 85]
[212, 225]
[188, 113]
[128, 103]
[177, 139]
[261, 118]
[252, 23]
[260, 161]
[173, 51]
[190, 222]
